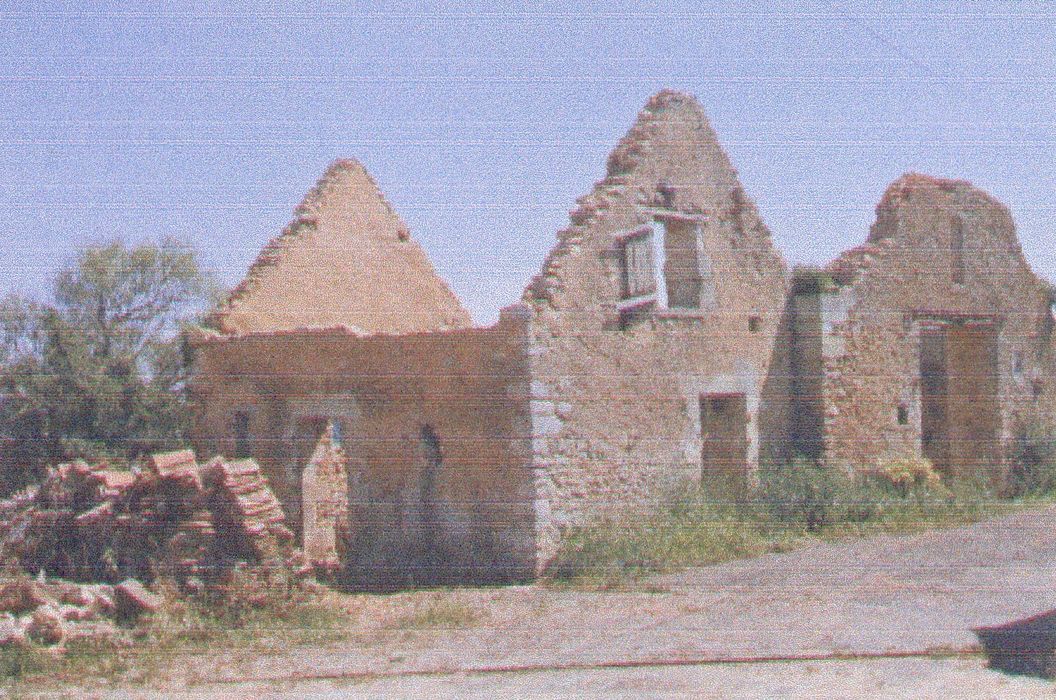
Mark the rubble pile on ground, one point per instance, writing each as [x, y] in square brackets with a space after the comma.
[53, 613]
[168, 516]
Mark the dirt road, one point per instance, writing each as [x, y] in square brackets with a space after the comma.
[893, 595]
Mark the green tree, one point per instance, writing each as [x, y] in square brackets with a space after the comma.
[101, 372]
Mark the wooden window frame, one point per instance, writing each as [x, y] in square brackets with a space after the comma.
[637, 265]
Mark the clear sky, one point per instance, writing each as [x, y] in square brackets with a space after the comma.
[483, 123]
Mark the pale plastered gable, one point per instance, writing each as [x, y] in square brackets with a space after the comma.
[346, 259]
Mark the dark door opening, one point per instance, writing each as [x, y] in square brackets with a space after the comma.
[724, 441]
[243, 448]
[934, 441]
[430, 557]
[960, 418]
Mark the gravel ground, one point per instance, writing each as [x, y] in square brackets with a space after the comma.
[885, 594]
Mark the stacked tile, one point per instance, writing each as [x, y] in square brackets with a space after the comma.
[253, 506]
[90, 521]
[113, 482]
[179, 467]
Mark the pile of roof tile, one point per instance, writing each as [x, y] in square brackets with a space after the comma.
[166, 516]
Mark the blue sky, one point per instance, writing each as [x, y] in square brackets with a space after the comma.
[483, 123]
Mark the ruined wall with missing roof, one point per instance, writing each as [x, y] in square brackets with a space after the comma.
[434, 428]
[942, 258]
[346, 259]
[616, 403]
[324, 498]
[466, 454]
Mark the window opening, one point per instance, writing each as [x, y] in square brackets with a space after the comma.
[639, 269]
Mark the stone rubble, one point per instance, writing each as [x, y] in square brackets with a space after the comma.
[51, 614]
[132, 599]
[107, 531]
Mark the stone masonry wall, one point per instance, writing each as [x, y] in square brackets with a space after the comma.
[324, 501]
[434, 429]
[615, 405]
[466, 454]
[902, 282]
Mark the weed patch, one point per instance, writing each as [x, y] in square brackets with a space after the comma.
[795, 504]
[438, 612]
[693, 530]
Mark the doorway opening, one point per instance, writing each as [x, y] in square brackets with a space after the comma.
[724, 441]
[960, 417]
[430, 557]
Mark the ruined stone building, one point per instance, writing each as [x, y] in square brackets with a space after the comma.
[935, 338]
[665, 341]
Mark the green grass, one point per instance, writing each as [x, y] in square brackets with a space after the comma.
[438, 612]
[691, 531]
[795, 505]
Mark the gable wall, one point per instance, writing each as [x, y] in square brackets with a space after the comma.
[616, 411]
[897, 285]
[346, 259]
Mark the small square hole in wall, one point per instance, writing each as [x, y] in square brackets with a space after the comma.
[754, 324]
[632, 315]
[903, 414]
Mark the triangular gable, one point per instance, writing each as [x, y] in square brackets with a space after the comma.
[669, 160]
[346, 259]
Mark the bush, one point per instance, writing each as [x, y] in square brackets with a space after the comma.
[869, 500]
[1032, 461]
[100, 372]
[911, 475]
[805, 494]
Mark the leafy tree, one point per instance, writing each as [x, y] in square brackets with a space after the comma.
[100, 373]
